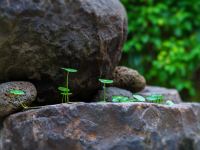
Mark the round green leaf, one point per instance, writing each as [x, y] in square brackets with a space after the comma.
[139, 98]
[70, 70]
[170, 103]
[66, 93]
[118, 99]
[156, 98]
[106, 81]
[17, 92]
[63, 89]
[132, 100]
[151, 98]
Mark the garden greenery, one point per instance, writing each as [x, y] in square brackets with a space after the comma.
[65, 91]
[163, 41]
[105, 81]
[154, 98]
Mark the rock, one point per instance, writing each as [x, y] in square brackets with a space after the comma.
[169, 94]
[10, 103]
[112, 91]
[37, 38]
[105, 126]
[128, 79]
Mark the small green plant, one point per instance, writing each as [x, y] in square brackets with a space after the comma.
[170, 103]
[105, 81]
[65, 91]
[119, 99]
[155, 98]
[18, 93]
[139, 98]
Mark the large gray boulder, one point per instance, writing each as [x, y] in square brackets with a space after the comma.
[10, 103]
[37, 38]
[130, 126]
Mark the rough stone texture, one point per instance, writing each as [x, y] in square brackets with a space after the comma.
[138, 126]
[38, 37]
[169, 94]
[112, 91]
[10, 103]
[128, 79]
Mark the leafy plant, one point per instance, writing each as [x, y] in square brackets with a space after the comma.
[122, 99]
[163, 44]
[118, 99]
[18, 93]
[105, 81]
[65, 90]
[155, 98]
[170, 103]
[139, 98]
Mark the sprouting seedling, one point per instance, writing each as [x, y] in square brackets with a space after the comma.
[139, 98]
[155, 98]
[65, 90]
[105, 81]
[169, 103]
[18, 93]
[119, 99]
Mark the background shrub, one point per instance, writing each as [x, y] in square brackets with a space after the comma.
[164, 43]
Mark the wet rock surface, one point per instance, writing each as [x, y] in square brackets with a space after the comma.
[10, 103]
[138, 126]
[37, 38]
[128, 79]
[169, 94]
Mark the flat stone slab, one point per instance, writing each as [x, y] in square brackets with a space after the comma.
[169, 94]
[10, 103]
[104, 126]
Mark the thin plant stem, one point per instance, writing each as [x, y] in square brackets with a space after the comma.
[67, 87]
[104, 92]
[24, 106]
[62, 98]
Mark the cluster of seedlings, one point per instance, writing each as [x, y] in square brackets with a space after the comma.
[64, 90]
[65, 93]
[154, 98]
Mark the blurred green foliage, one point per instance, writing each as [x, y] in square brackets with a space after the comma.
[164, 41]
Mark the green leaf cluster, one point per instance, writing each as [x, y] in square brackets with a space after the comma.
[154, 98]
[163, 41]
[105, 81]
[65, 91]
